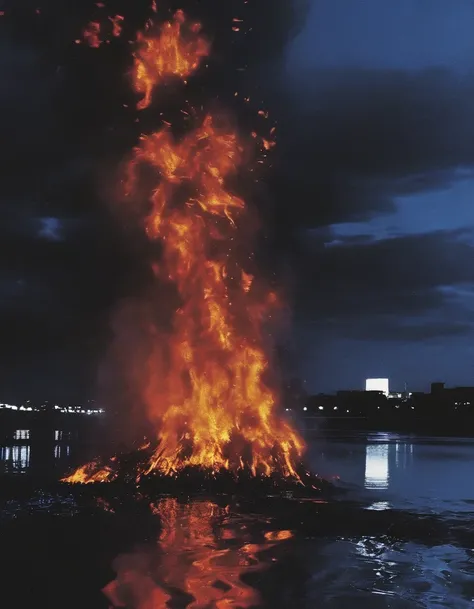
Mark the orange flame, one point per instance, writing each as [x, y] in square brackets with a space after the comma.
[176, 51]
[203, 383]
[211, 396]
[91, 472]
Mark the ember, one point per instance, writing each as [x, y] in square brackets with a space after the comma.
[91, 34]
[202, 382]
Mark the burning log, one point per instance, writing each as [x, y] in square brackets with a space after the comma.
[133, 470]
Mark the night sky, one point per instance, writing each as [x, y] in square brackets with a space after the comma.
[367, 206]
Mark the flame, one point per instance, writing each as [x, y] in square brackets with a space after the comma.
[211, 396]
[199, 546]
[203, 382]
[93, 34]
[91, 472]
[176, 51]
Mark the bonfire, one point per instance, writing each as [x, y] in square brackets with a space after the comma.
[203, 379]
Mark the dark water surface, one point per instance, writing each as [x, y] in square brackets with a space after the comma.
[402, 535]
[425, 474]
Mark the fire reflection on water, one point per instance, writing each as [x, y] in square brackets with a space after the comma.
[199, 560]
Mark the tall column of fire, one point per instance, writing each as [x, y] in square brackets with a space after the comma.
[203, 386]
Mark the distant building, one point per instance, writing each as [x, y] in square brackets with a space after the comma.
[437, 388]
[380, 385]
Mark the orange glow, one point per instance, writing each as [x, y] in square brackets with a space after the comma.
[94, 35]
[117, 23]
[91, 34]
[200, 544]
[177, 51]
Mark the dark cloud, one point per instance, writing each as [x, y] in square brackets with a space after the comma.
[351, 140]
[403, 288]
[392, 328]
[430, 260]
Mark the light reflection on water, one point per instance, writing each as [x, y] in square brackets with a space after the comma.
[199, 559]
[62, 451]
[21, 453]
[382, 458]
[423, 474]
[376, 466]
[375, 573]
[16, 459]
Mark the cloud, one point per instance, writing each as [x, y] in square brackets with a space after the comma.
[351, 143]
[408, 34]
[394, 328]
[352, 140]
[414, 287]
[51, 229]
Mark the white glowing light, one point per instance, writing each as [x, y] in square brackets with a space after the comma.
[377, 385]
[376, 466]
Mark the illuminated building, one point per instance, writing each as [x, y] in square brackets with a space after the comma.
[377, 385]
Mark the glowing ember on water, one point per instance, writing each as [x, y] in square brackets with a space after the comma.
[203, 380]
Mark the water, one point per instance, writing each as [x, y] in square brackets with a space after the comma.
[402, 537]
[423, 474]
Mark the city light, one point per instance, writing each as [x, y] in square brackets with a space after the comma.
[377, 385]
[61, 409]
